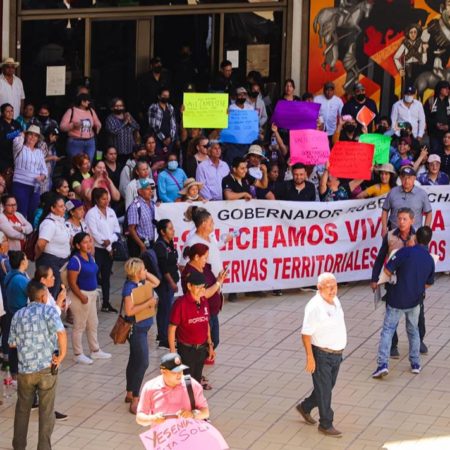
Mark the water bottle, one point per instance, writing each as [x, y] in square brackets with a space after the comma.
[37, 187]
[8, 386]
[234, 234]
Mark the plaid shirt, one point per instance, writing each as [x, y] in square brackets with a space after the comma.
[33, 332]
[141, 214]
[155, 117]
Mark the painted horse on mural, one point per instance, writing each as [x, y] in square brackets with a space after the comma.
[346, 17]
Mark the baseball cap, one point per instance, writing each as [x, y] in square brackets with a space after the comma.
[410, 90]
[329, 85]
[196, 278]
[172, 362]
[144, 183]
[73, 204]
[407, 171]
[434, 158]
[241, 90]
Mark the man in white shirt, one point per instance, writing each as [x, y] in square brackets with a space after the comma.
[11, 87]
[410, 110]
[330, 108]
[324, 337]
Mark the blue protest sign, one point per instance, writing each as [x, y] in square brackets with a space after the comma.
[243, 127]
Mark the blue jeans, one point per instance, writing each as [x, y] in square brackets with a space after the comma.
[27, 199]
[76, 146]
[214, 326]
[138, 360]
[165, 294]
[391, 319]
[324, 379]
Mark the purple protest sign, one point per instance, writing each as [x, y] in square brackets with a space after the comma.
[309, 146]
[296, 115]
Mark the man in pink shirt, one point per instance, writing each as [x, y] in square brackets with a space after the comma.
[167, 397]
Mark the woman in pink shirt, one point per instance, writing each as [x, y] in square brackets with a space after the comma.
[81, 124]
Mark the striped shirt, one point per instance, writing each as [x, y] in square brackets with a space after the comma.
[28, 163]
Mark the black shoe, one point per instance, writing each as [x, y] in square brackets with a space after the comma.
[278, 292]
[394, 353]
[332, 432]
[307, 416]
[109, 308]
[232, 297]
[60, 417]
[163, 344]
[423, 349]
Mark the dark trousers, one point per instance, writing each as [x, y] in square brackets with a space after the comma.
[165, 296]
[436, 144]
[214, 327]
[138, 360]
[194, 358]
[55, 263]
[13, 360]
[44, 383]
[27, 199]
[105, 263]
[422, 329]
[324, 379]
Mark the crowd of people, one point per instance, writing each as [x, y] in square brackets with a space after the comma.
[79, 192]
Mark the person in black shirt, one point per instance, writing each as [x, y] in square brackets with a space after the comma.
[298, 189]
[223, 82]
[9, 129]
[274, 186]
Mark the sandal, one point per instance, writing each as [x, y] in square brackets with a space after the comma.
[128, 398]
[206, 386]
[204, 379]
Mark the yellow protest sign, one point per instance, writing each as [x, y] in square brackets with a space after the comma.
[205, 110]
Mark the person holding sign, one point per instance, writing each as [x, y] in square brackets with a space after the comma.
[141, 315]
[167, 396]
[331, 188]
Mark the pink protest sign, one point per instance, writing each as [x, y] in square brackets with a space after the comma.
[309, 146]
[183, 434]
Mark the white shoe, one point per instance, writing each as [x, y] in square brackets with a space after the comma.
[100, 355]
[82, 359]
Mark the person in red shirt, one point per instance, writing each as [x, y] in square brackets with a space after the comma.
[189, 324]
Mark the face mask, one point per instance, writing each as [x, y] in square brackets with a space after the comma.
[172, 165]
[119, 110]
[157, 69]
[350, 128]
[381, 129]
[43, 118]
[254, 94]
[240, 101]
[360, 97]
[408, 98]
[164, 99]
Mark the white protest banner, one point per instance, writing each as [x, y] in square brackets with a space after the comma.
[286, 245]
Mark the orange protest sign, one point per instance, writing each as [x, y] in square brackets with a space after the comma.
[352, 160]
[365, 116]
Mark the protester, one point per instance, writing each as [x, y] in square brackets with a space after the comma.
[5, 319]
[330, 109]
[299, 189]
[51, 157]
[385, 180]
[171, 180]
[139, 352]
[126, 175]
[189, 326]
[414, 268]
[289, 91]
[105, 230]
[402, 153]
[81, 171]
[13, 224]
[433, 176]
[75, 222]
[167, 257]
[11, 86]
[324, 337]
[44, 121]
[358, 101]
[113, 167]
[82, 276]
[197, 153]
[190, 192]
[33, 332]
[167, 394]
[331, 188]
[27, 117]
[141, 171]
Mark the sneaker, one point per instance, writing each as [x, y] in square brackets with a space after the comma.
[395, 353]
[423, 348]
[60, 417]
[109, 308]
[278, 292]
[381, 371]
[100, 354]
[415, 368]
[82, 359]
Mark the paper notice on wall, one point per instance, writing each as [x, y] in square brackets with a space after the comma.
[56, 80]
[258, 58]
[233, 57]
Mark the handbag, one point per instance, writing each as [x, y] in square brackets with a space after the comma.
[120, 249]
[121, 329]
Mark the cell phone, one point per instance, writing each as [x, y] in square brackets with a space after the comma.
[54, 367]
[226, 269]
[170, 416]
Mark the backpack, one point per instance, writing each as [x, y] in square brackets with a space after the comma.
[31, 241]
[63, 272]
[151, 263]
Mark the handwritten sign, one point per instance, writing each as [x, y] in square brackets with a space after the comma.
[309, 146]
[382, 146]
[365, 116]
[205, 110]
[243, 127]
[351, 160]
[183, 434]
[56, 81]
[296, 115]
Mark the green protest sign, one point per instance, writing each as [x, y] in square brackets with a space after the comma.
[205, 110]
[382, 146]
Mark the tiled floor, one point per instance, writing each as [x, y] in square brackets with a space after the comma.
[259, 377]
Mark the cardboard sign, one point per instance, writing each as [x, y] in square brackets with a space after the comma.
[309, 146]
[243, 127]
[183, 434]
[382, 146]
[352, 160]
[205, 110]
[365, 116]
[140, 295]
[296, 115]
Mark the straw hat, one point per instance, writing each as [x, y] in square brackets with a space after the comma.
[33, 129]
[9, 62]
[188, 184]
[386, 168]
